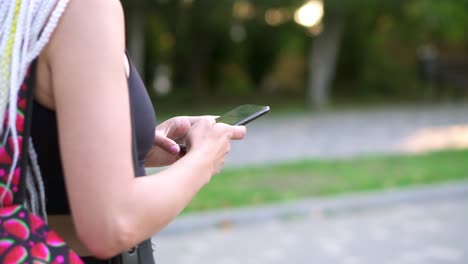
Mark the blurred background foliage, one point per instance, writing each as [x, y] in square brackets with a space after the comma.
[199, 52]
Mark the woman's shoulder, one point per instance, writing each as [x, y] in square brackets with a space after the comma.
[80, 11]
[104, 7]
[88, 22]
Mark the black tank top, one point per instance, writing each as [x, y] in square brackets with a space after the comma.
[44, 133]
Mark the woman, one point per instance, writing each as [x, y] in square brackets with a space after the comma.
[89, 106]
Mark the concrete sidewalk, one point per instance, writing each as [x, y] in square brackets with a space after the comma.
[343, 204]
[425, 225]
[343, 133]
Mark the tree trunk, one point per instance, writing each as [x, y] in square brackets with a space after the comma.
[322, 61]
[137, 37]
[201, 47]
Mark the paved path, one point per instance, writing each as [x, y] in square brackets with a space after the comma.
[412, 233]
[430, 232]
[342, 133]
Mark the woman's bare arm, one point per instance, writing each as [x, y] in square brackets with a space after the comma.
[111, 209]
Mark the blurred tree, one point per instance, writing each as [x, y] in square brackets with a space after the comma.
[324, 54]
[135, 25]
[240, 46]
[323, 59]
[378, 55]
[445, 21]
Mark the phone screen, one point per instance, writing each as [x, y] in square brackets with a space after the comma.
[243, 114]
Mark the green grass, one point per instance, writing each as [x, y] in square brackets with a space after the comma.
[312, 178]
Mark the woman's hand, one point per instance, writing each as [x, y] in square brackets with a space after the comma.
[210, 141]
[168, 134]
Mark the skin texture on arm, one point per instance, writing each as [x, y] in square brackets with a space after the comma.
[111, 209]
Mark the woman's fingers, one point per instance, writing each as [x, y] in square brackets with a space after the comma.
[167, 144]
[238, 132]
[233, 132]
[194, 119]
[178, 127]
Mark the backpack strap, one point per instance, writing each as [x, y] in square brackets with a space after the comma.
[15, 191]
[29, 85]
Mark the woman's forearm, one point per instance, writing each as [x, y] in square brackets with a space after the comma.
[168, 192]
[147, 206]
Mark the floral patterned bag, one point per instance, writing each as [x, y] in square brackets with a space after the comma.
[24, 236]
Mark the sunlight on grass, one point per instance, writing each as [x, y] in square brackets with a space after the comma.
[437, 138]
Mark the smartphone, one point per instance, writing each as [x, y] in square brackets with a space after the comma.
[239, 116]
[243, 115]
